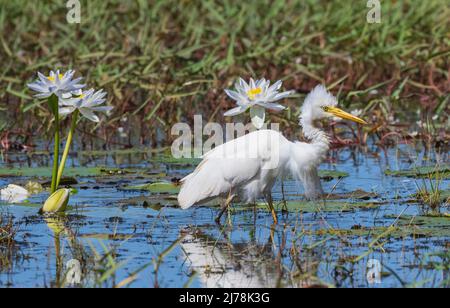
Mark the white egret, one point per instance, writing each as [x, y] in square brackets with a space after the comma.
[248, 166]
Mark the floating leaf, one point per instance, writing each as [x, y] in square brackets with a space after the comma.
[156, 188]
[420, 172]
[329, 175]
[318, 206]
[70, 173]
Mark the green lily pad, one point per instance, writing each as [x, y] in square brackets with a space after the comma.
[429, 221]
[356, 194]
[155, 202]
[317, 206]
[328, 175]
[172, 160]
[26, 204]
[156, 188]
[379, 233]
[442, 171]
[73, 172]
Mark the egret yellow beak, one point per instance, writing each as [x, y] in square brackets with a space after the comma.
[344, 115]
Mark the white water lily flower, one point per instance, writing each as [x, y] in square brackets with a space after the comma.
[14, 194]
[87, 103]
[256, 95]
[56, 83]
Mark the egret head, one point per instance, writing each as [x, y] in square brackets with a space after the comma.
[321, 104]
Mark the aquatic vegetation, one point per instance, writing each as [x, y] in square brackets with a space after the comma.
[443, 171]
[65, 96]
[257, 96]
[42, 172]
[57, 202]
[304, 206]
[7, 241]
[156, 188]
[429, 192]
[54, 88]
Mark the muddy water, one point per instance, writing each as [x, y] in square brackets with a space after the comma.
[115, 236]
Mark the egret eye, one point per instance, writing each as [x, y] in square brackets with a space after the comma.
[325, 108]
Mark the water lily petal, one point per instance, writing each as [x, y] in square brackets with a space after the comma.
[276, 107]
[244, 85]
[66, 110]
[104, 109]
[275, 87]
[233, 94]
[89, 115]
[235, 111]
[36, 86]
[281, 95]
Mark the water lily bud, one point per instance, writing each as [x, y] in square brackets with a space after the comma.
[57, 202]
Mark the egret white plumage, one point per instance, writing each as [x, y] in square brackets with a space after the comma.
[249, 166]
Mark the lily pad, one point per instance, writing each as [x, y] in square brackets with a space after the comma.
[429, 221]
[172, 160]
[74, 172]
[356, 194]
[442, 171]
[156, 188]
[328, 175]
[319, 206]
[155, 202]
[378, 233]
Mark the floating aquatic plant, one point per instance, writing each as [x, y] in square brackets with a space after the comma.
[65, 97]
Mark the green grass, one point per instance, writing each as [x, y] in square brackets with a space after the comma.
[162, 61]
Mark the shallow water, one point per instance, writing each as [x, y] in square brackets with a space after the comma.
[108, 228]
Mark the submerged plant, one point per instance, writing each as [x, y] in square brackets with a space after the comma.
[256, 96]
[429, 192]
[7, 241]
[65, 96]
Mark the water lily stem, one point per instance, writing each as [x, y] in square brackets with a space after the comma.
[55, 154]
[67, 147]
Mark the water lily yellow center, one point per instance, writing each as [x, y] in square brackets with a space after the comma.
[52, 78]
[253, 92]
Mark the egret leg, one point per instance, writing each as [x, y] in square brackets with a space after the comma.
[224, 207]
[285, 208]
[272, 209]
